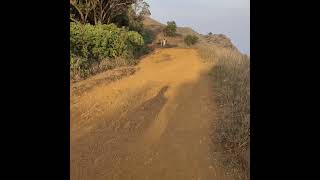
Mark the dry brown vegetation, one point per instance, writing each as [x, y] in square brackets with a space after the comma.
[231, 77]
[103, 66]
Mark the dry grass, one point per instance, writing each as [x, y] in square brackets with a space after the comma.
[103, 65]
[231, 77]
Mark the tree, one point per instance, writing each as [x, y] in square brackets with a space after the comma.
[80, 10]
[98, 11]
[133, 17]
[170, 29]
[141, 8]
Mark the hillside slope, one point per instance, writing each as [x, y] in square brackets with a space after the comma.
[219, 40]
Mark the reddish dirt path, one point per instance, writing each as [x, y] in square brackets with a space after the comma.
[151, 125]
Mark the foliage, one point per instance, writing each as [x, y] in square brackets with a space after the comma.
[105, 11]
[141, 8]
[191, 39]
[170, 29]
[90, 44]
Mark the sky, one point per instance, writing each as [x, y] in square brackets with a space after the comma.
[229, 17]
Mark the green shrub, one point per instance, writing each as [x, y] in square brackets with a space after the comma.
[90, 44]
[148, 36]
[191, 39]
[135, 25]
[170, 29]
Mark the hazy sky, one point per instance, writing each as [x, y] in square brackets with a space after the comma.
[229, 17]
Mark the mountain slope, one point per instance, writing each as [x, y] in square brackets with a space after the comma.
[156, 28]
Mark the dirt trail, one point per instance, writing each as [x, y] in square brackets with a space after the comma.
[151, 125]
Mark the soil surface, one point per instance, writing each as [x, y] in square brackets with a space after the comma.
[151, 125]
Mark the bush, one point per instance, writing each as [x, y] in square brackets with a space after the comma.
[90, 44]
[191, 39]
[170, 29]
[148, 36]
